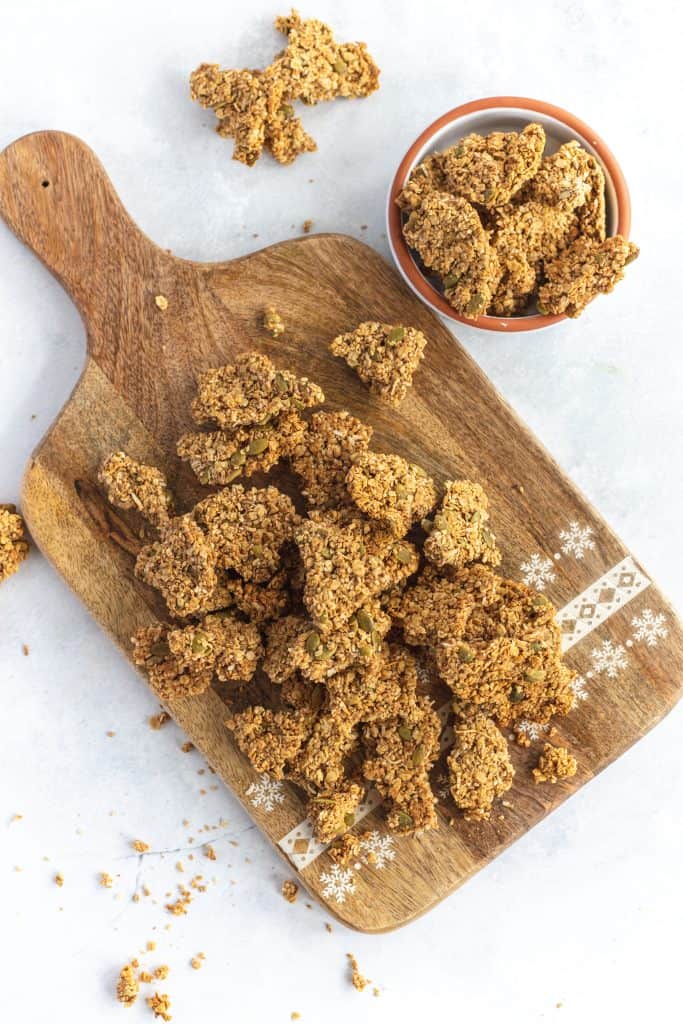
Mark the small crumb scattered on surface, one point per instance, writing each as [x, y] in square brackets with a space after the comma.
[59, 879]
[358, 981]
[306, 226]
[158, 721]
[290, 890]
[160, 1005]
[161, 302]
[140, 845]
[106, 881]
[127, 986]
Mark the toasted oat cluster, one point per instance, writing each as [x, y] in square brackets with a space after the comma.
[389, 489]
[254, 107]
[130, 484]
[384, 356]
[218, 457]
[499, 224]
[555, 763]
[479, 766]
[13, 547]
[459, 533]
[273, 322]
[330, 627]
[250, 393]
[582, 271]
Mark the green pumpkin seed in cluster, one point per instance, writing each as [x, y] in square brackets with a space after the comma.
[402, 554]
[395, 335]
[534, 675]
[405, 732]
[516, 694]
[312, 642]
[464, 655]
[340, 66]
[404, 819]
[365, 620]
[237, 458]
[540, 601]
[349, 819]
[281, 383]
[419, 754]
[258, 445]
[200, 643]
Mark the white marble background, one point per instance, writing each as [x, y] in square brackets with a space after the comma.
[583, 912]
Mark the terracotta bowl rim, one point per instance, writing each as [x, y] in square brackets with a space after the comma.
[400, 250]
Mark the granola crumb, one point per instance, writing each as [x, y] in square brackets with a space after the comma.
[357, 980]
[110, 733]
[161, 302]
[328, 927]
[150, 946]
[555, 763]
[375, 992]
[145, 978]
[140, 846]
[24, 650]
[290, 890]
[195, 963]
[106, 881]
[59, 879]
[161, 972]
[187, 747]
[13, 546]
[209, 852]
[128, 985]
[160, 1005]
[294, 1015]
[157, 722]
[273, 322]
[306, 226]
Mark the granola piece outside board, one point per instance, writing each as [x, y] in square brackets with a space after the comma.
[448, 235]
[323, 455]
[459, 533]
[244, 101]
[248, 528]
[250, 392]
[427, 177]
[181, 564]
[127, 986]
[314, 67]
[583, 271]
[131, 484]
[479, 766]
[221, 456]
[13, 547]
[384, 356]
[391, 490]
[555, 763]
[273, 322]
[490, 169]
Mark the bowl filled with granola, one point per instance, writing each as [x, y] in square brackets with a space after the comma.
[509, 214]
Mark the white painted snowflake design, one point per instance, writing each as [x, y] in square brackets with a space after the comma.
[532, 730]
[378, 850]
[338, 883]
[537, 572]
[578, 688]
[609, 658]
[577, 540]
[266, 793]
[649, 627]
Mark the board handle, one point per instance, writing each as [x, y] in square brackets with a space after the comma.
[56, 197]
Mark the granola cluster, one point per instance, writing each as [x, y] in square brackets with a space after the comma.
[384, 356]
[254, 107]
[329, 625]
[503, 226]
[13, 547]
[555, 763]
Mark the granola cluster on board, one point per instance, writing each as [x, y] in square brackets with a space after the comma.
[254, 107]
[503, 226]
[13, 546]
[326, 623]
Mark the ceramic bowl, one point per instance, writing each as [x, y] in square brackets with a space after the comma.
[500, 113]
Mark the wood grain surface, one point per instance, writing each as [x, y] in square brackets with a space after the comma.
[134, 394]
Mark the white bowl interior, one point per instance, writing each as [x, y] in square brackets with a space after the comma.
[509, 119]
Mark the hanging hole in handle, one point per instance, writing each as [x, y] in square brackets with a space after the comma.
[45, 183]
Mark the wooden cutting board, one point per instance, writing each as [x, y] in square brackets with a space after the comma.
[134, 393]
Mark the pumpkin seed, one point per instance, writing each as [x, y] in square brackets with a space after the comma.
[419, 754]
[427, 525]
[287, 110]
[464, 655]
[340, 66]
[349, 819]
[200, 643]
[451, 280]
[516, 694]
[237, 458]
[403, 554]
[404, 819]
[540, 601]
[280, 383]
[258, 445]
[395, 335]
[477, 304]
[537, 646]
[312, 642]
[534, 675]
[405, 732]
[365, 620]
